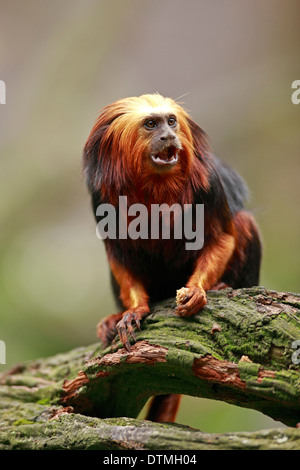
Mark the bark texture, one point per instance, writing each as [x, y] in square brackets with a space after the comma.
[238, 349]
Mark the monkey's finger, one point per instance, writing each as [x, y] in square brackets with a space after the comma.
[127, 320]
[125, 340]
[181, 311]
[138, 323]
[185, 299]
[130, 331]
[193, 305]
[122, 331]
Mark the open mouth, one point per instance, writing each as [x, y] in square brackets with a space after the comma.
[168, 156]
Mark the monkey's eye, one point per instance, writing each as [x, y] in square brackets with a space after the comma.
[150, 124]
[172, 121]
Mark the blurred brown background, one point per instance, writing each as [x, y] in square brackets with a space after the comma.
[62, 61]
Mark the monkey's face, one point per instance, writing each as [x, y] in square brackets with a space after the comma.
[148, 144]
[161, 130]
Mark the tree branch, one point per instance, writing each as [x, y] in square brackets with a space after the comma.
[238, 349]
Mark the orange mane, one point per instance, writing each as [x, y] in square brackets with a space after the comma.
[118, 144]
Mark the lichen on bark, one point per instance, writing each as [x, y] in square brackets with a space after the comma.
[237, 349]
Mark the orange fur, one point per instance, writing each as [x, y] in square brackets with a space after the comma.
[210, 268]
[124, 140]
[132, 292]
[118, 161]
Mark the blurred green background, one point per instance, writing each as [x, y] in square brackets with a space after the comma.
[62, 61]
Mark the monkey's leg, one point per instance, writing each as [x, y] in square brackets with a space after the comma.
[164, 408]
[244, 266]
[135, 299]
[209, 269]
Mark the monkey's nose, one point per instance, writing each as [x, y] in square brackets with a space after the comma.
[168, 136]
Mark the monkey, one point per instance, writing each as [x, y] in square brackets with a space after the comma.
[149, 149]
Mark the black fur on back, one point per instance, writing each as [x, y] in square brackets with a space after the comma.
[234, 186]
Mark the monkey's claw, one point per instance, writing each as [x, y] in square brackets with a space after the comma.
[189, 301]
[125, 327]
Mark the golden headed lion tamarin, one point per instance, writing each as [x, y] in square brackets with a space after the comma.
[149, 149]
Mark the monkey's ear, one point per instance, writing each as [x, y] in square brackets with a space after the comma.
[92, 159]
[200, 140]
[200, 175]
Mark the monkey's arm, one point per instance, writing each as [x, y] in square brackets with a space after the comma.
[134, 297]
[209, 269]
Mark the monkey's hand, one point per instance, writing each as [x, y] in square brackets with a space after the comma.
[125, 326]
[189, 301]
[107, 328]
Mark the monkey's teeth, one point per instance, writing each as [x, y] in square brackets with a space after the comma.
[174, 159]
[169, 161]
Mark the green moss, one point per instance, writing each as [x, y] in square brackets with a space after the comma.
[248, 370]
[21, 421]
[265, 337]
[43, 401]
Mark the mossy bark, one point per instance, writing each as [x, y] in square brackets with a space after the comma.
[238, 349]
